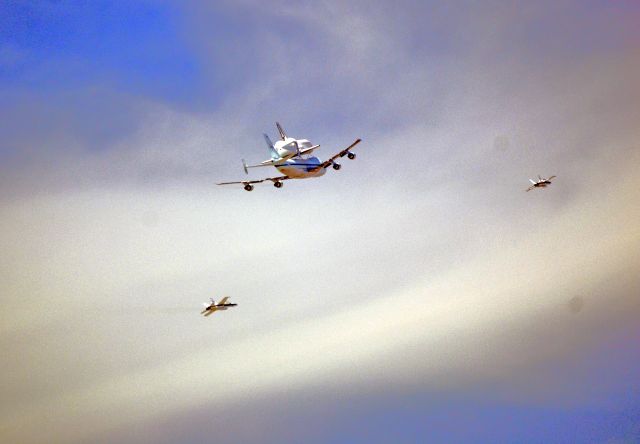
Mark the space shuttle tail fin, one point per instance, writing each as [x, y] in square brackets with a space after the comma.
[283, 135]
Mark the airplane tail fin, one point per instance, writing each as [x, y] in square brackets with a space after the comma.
[283, 135]
[272, 150]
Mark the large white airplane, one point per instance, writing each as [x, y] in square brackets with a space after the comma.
[292, 158]
[540, 183]
[212, 307]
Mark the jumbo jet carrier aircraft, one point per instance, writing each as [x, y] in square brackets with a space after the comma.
[292, 157]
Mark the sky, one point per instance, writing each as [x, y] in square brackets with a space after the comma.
[417, 295]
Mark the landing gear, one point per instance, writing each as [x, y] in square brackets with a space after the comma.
[351, 155]
[248, 187]
[336, 166]
[277, 184]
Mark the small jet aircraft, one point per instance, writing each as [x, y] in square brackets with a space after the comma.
[540, 183]
[212, 307]
[292, 158]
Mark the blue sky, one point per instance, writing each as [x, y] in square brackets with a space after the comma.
[137, 49]
[418, 295]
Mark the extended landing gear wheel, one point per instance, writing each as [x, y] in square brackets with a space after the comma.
[248, 187]
[336, 166]
[351, 156]
[277, 184]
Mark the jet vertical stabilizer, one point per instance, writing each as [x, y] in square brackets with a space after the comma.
[272, 150]
[283, 135]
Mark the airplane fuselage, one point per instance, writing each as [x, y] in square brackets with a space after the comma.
[291, 164]
[300, 167]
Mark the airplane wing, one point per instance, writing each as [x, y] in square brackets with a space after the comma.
[250, 182]
[223, 301]
[330, 160]
[207, 310]
[530, 188]
[309, 150]
[552, 177]
[243, 182]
